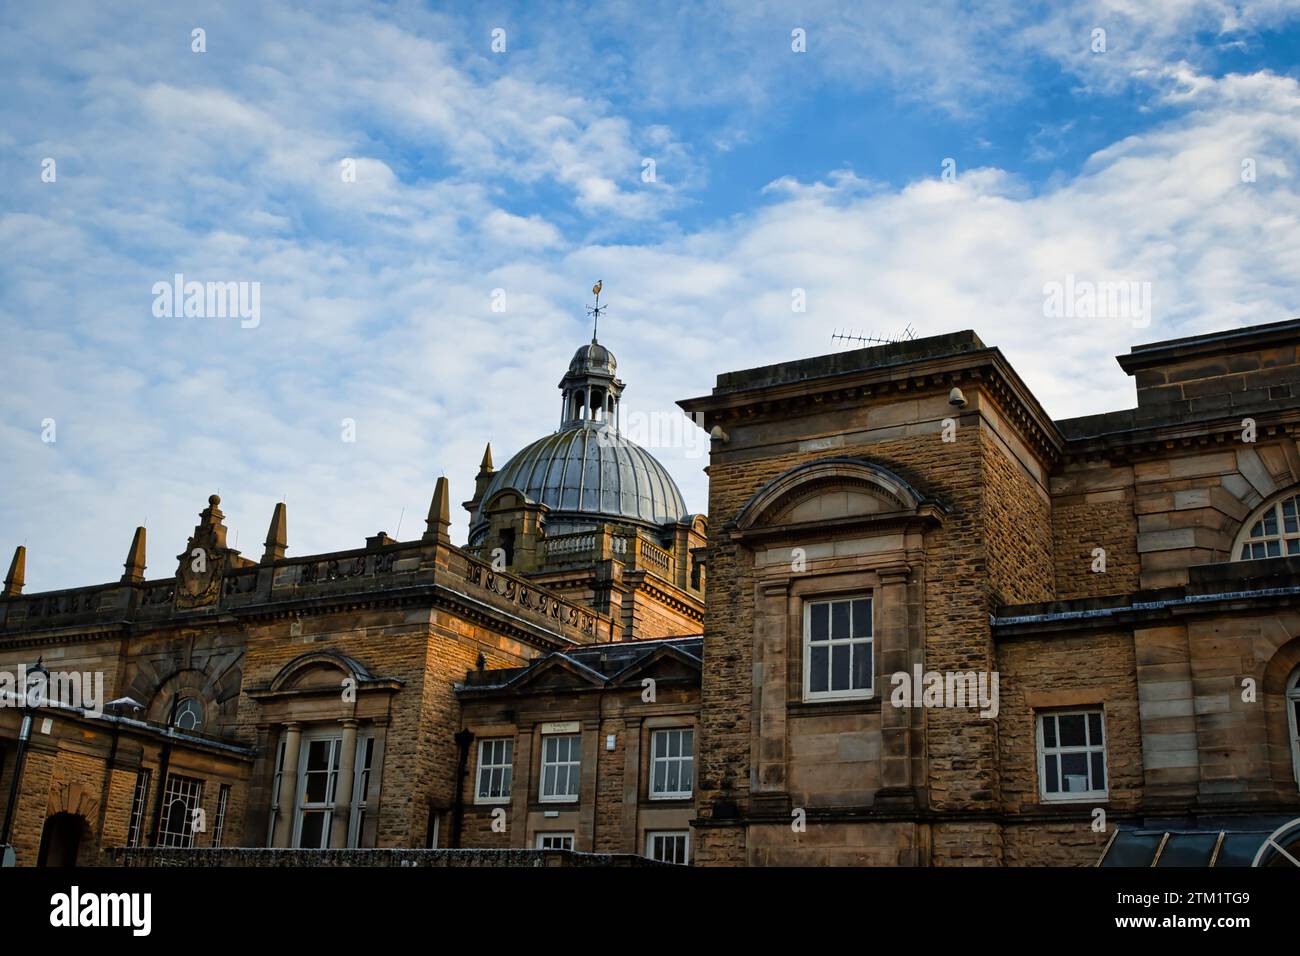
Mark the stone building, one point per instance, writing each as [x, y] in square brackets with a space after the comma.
[940, 628]
[905, 519]
[311, 701]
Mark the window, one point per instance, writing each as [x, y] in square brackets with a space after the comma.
[275, 794]
[1274, 533]
[555, 841]
[1293, 714]
[138, 804]
[672, 764]
[361, 792]
[837, 643]
[182, 796]
[223, 800]
[1071, 755]
[317, 782]
[561, 762]
[189, 715]
[668, 846]
[495, 757]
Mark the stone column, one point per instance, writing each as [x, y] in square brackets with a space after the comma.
[288, 804]
[584, 839]
[631, 784]
[341, 819]
[893, 653]
[771, 679]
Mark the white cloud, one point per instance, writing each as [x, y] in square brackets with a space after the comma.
[376, 295]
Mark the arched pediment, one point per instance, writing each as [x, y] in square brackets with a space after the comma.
[317, 670]
[833, 489]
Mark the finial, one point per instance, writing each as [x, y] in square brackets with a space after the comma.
[596, 310]
[439, 520]
[134, 564]
[17, 575]
[486, 464]
[277, 535]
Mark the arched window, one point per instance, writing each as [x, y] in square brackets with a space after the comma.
[1293, 719]
[189, 715]
[1274, 532]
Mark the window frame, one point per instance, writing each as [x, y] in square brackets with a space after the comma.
[655, 735]
[332, 771]
[363, 770]
[685, 835]
[191, 706]
[1057, 750]
[135, 821]
[506, 768]
[277, 781]
[543, 835]
[1284, 539]
[852, 694]
[573, 765]
[188, 791]
[1292, 698]
[223, 804]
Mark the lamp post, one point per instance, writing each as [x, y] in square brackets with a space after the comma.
[34, 688]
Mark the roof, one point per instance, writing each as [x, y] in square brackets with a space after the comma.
[853, 360]
[591, 469]
[601, 665]
[1259, 841]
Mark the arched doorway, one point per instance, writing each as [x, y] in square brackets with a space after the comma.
[60, 840]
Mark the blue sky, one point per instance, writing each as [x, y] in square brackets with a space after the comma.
[521, 171]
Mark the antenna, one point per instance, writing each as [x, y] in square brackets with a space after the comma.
[907, 335]
[398, 534]
[597, 310]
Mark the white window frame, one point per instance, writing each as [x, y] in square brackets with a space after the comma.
[223, 803]
[869, 640]
[572, 767]
[363, 774]
[1293, 719]
[1285, 535]
[1089, 748]
[192, 708]
[139, 806]
[684, 835]
[276, 783]
[188, 792]
[334, 760]
[686, 764]
[503, 748]
[552, 835]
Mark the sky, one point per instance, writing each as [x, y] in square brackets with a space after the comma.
[422, 196]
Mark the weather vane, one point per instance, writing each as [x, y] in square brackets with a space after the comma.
[595, 311]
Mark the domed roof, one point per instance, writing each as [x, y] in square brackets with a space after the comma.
[593, 357]
[588, 468]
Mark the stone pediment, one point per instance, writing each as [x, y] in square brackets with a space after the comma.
[834, 492]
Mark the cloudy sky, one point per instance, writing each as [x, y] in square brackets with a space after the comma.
[933, 166]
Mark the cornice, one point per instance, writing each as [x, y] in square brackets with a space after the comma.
[986, 368]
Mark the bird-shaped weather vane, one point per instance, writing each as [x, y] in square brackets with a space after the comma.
[595, 311]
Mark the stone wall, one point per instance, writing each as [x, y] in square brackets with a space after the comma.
[153, 857]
